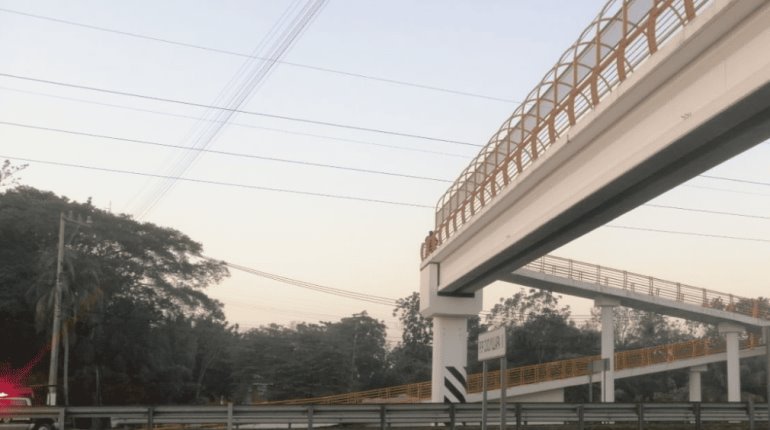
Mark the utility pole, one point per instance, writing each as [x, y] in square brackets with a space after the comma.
[53, 369]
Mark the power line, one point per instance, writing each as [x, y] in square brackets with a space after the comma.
[236, 93]
[743, 181]
[364, 199]
[246, 112]
[687, 233]
[238, 124]
[240, 54]
[706, 211]
[220, 183]
[378, 300]
[218, 152]
[701, 187]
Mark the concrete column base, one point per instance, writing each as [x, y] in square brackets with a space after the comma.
[607, 306]
[695, 382]
[450, 336]
[731, 331]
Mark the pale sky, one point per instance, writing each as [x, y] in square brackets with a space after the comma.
[498, 49]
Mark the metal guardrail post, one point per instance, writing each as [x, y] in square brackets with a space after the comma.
[698, 417]
[150, 418]
[229, 415]
[518, 416]
[382, 417]
[766, 337]
[61, 418]
[452, 416]
[581, 417]
[310, 417]
[750, 410]
[640, 415]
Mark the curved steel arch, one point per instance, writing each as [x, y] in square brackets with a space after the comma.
[618, 40]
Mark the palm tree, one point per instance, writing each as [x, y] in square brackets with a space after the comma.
[81, 290]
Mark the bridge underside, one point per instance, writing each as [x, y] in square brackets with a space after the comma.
[699, 101]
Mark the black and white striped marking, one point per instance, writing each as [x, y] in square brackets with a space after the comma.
[454, 385]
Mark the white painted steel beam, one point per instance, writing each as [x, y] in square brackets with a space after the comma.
[701, 99]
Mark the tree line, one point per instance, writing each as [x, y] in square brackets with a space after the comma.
[138, 327]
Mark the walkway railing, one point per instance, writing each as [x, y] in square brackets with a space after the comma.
[534, 374]
[624, 34]
[643, 284]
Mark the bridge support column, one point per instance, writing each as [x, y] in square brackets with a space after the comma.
[607, 306]
[695, 385]
[450, 335]
[731, 332]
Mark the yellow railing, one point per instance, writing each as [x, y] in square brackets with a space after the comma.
[407, 393]
[534, 374]
[624, 34]
[636, 283]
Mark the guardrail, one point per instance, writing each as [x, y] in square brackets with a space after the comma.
[649, 285]
[623, 35]
[384, 416]
[533, 374]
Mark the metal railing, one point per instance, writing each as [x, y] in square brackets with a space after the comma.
[649, 285]
[623, 35]
[418, 415]
[407, 393]
[534, 374]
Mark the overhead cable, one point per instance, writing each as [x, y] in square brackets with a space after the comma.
[218, 152]
[240, 54]
[237, 92]
[688, 233]
[240, 124]
[379, 300]
[245, 112]
[219, 183]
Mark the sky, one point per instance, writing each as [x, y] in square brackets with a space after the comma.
[493, 52]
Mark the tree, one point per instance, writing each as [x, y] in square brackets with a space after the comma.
[133, 290]
[9, 174]
[410, 360]
[417, 330]
[522, 305]
[361, 339]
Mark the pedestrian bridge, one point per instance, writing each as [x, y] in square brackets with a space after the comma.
[652, 94]
[525, 382]
[638, 291]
